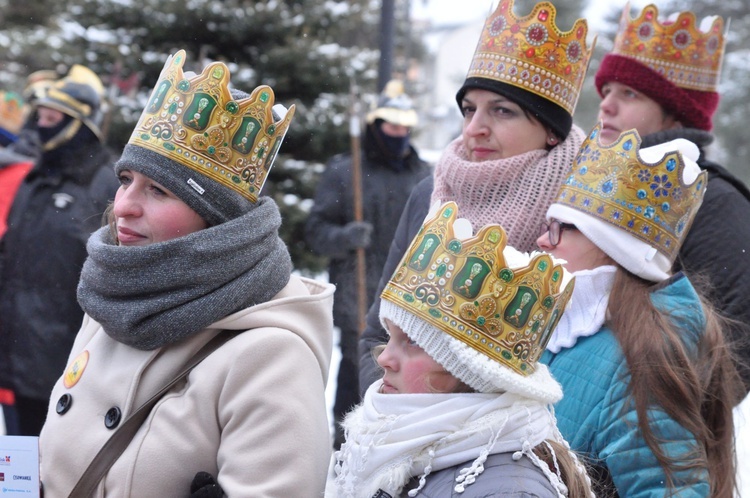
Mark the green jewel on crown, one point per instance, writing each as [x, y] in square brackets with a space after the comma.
[195, 121]
[463, 285]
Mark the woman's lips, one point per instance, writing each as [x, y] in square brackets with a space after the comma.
[127, 236]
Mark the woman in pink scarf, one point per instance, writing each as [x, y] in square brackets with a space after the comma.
[517, 145]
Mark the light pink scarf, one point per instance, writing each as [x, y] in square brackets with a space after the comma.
[514, 192]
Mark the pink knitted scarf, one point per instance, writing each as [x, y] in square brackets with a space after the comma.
[514, 192]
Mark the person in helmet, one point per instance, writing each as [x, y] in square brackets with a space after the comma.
[57, 206]
[390, 168]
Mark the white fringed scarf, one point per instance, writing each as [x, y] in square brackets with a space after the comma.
[513, 192]
[391, 438]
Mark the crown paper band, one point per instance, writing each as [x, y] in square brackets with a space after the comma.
[196, 122]
[467, 289]
[533, 54]
[649, 201]
[679, 51]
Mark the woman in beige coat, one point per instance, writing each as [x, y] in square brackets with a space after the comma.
[191, 253]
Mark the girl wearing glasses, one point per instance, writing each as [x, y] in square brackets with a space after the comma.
[515, 147]
[647, 377]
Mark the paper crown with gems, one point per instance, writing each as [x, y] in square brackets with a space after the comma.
[532, 53]
[467, 288]
[678, 50]
[650, 200]
[196, 122]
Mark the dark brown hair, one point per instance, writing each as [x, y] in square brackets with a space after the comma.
[697, 387]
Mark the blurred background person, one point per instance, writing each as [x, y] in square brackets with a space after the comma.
[13, 169]
[390, 168]
[57, 206]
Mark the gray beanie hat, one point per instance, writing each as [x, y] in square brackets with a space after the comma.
[214, 202]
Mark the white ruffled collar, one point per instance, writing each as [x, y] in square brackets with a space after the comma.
[587, 310]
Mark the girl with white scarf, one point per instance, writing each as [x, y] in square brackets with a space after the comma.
[446, 418]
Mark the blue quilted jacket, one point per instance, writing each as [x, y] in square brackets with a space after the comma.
[596, 419]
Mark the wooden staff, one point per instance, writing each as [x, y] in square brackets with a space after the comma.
[355, 131]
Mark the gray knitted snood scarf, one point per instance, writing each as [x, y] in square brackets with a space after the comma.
[151, 296]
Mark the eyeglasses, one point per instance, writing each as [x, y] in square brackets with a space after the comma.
[555, 229]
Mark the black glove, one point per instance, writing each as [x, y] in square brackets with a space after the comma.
[205, 486]
[357, 234]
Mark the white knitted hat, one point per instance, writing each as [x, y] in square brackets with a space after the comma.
[633, 254]
[471, 367]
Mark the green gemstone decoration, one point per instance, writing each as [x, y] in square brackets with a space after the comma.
[441, 270]
[168, 146]
[172, 107]
[506, 274]
[177, 60]
[183, 86]
[523, 366]
[556, 276]
[548, 302]
[542, 265]
[271, 129]
[232, 107]
[145, 136]
[218, 72]
[408, 298]
[211, 149]
[535, 327]
[236, 179]
[264, 96]
[506, 354]
[435, 313]
[481, 320]
[261, 151]
[447, 213]
[494, 236]
[454, 246]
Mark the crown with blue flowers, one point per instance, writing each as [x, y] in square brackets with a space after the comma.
[648, 200]
[196, 122]
[467, 288]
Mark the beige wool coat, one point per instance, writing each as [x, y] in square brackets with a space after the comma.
[253, 413]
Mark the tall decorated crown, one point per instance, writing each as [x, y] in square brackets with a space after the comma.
[648, 200]
[469, 290]
[195, 121]
[533, 54]
[678, 50]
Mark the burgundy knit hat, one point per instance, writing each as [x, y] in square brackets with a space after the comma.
[674, 62]
[693, 108]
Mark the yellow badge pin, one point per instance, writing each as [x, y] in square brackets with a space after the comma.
[75, 370]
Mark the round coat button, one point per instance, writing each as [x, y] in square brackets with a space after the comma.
[64, 403]
[112, 418]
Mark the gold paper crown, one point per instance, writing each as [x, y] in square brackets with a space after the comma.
[196, 122]
[533, 54]
[467, 289]
[679, 51]
[12, 112]
[649, 201]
